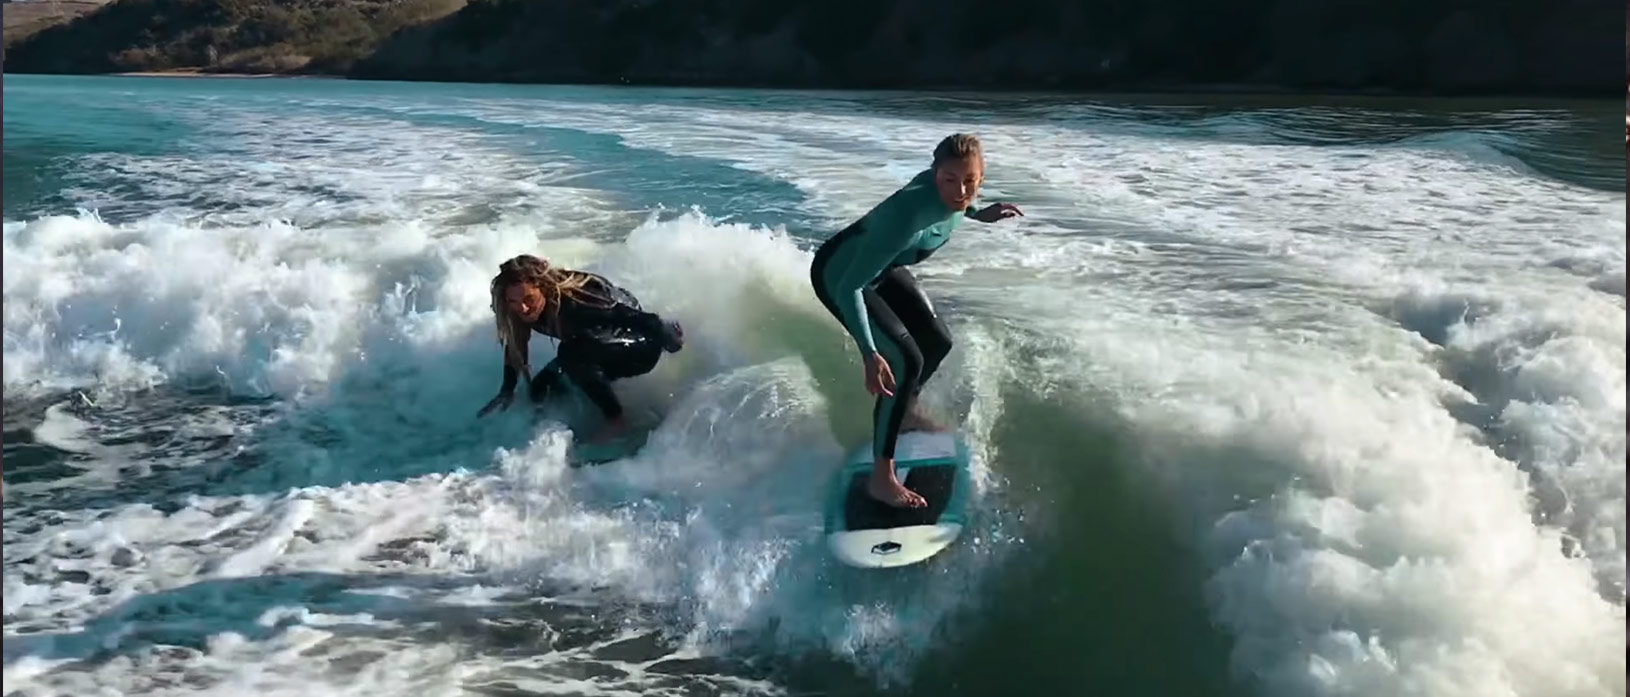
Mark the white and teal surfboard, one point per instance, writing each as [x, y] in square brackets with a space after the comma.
[864, 532]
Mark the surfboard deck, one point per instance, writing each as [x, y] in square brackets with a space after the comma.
[866, 533]
[583, 454]
[579, 413]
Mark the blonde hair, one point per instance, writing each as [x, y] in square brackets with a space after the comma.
[958, 146]
[555, 283]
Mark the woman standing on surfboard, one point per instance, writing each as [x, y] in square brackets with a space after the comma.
[603, 333]
[860, 276]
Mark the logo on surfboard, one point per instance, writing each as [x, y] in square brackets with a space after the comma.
[889, 547]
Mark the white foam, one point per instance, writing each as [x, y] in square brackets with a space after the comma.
[354, 323]
[360, 354]
[1392, 552]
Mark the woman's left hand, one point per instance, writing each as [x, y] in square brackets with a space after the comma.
[997, 211]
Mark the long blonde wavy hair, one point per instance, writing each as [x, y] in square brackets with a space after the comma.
[555, 283]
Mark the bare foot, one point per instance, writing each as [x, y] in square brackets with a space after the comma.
[884, 487]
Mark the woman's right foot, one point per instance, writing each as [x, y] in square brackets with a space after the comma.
[884, 487]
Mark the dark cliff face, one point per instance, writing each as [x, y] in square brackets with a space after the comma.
[1441, 46]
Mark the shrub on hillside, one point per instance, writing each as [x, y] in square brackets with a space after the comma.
[278, 36]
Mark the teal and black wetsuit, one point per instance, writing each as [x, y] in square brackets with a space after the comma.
[860, 276]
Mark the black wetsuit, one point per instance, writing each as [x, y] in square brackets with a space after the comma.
[598, 344]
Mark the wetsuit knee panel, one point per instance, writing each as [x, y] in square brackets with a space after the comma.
[900, 350]
[905, 361]
[937, 344]
[545, 383]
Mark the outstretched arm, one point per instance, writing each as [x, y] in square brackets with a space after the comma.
[993, 212]
[506, 393]
[511, 371]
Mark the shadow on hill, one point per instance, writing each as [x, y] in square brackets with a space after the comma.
[1435, 47]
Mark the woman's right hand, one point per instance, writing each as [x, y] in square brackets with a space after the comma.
[501, 403]
[879, 377]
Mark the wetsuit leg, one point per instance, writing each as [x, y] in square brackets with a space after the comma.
[898, 288]
[893, 341]
[905, 361]
[592, 365]
[547, 383]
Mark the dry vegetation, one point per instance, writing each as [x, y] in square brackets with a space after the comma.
[22, 19]
[234, 36]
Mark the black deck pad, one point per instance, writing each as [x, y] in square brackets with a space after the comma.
[933, 483]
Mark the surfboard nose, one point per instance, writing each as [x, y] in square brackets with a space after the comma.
[882, 549]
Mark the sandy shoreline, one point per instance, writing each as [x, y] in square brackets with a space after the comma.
[199, 73]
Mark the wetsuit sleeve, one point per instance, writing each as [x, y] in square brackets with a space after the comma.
[511, 375]
[883, 238]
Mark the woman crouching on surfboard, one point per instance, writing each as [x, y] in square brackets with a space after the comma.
[860, 276]
[603, 334]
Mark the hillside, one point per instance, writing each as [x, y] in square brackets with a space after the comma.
[240, 36]
[1432, 46]
[23, 19]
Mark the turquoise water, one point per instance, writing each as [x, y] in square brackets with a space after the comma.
[1268, 396]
